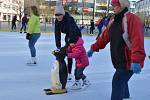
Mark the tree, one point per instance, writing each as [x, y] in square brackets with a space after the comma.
[20, 8]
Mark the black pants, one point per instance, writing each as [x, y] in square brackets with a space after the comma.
[91, 30]
[63, 75]
[13, 27]
[70, 61]
[79, 73]
[120, 88]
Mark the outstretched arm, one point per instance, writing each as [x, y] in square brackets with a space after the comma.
[101, 42]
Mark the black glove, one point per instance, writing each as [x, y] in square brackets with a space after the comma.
[60, 53]
[28, 36]
[63, 50]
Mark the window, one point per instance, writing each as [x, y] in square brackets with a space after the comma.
[101, 8]
[4, 17]
[4, 5]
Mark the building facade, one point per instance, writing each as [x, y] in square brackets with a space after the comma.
[132, 6]
[9, 8]
[29, 3]
[142, 9]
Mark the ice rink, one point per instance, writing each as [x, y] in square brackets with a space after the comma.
[21, 82]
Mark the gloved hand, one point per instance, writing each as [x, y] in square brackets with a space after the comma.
[28, 36]
[90, 53]
[60, 53]
[136, 68]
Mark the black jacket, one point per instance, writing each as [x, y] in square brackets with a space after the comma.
[117, 44]
[24, 20]
[14, 19]
[67, 26]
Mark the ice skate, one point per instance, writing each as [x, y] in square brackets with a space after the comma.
[86, 82]
[77, 85]
[70, 77]
[32, 61]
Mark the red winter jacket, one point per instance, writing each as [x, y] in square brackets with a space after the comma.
[79, 53]
[136, 54]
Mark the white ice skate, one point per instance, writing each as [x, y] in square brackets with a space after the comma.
[77, 85]
[86, 82]
[32, 61]
[70, 77]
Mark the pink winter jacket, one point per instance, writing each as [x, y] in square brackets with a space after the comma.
[79, 53]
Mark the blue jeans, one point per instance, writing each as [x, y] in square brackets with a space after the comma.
[32, 41]
[120, 88]
[23, 27]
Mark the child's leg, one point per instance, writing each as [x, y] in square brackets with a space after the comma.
[79, 73]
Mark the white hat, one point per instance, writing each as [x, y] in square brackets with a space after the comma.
[59, 8]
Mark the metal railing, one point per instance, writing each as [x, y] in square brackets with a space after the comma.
[46, 26]
[49, 26]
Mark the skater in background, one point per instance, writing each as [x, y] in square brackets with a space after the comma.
[34, 33]
[14, 19]
[126, 37]
[92, 27]
[65, 23]
[24, 23]
[102, 25]
[76, 50]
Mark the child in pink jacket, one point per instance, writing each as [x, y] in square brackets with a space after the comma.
[76, 50]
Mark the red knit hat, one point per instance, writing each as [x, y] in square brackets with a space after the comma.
[115, 2]
[121, 3]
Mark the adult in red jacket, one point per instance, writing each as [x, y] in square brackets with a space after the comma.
[126, 36]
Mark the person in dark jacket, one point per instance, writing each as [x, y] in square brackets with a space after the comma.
[65, 23]
[24, 23]
[92, 26]
[126, 36]
[14, 19]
